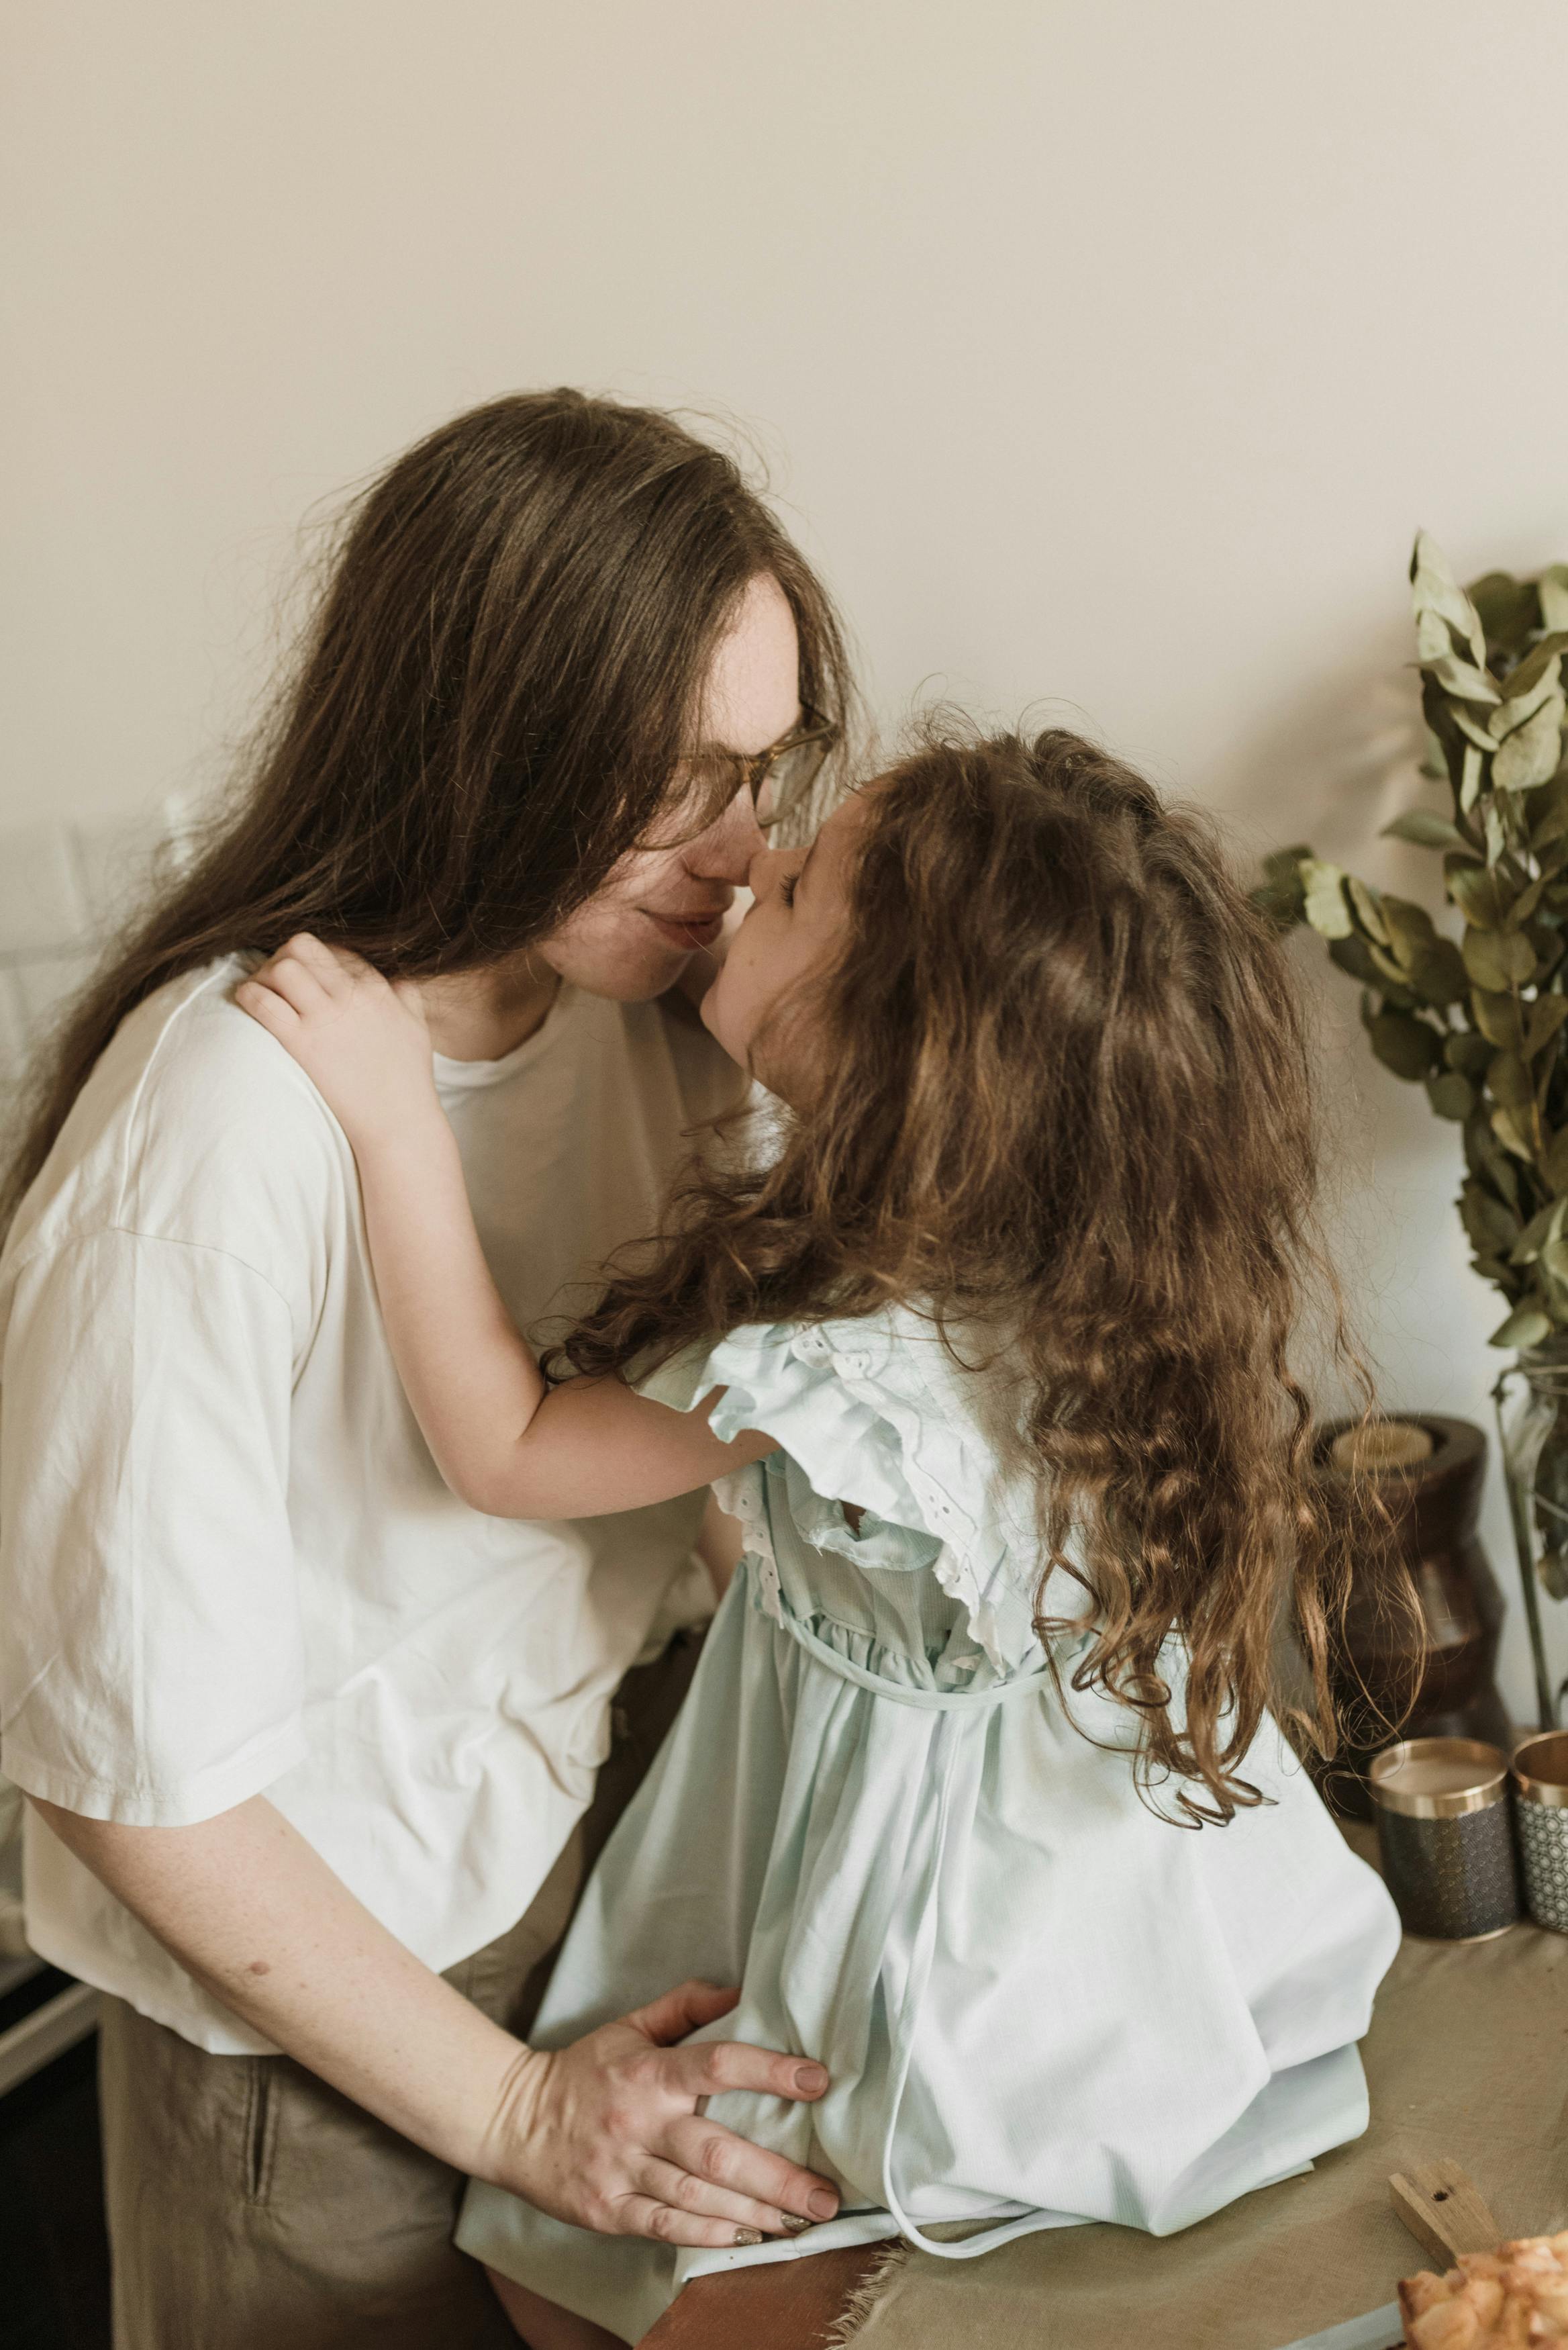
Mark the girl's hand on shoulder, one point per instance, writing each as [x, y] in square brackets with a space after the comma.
[361, 1039]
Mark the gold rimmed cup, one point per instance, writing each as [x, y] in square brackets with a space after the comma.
[1540, 1819]
[1446, 1837]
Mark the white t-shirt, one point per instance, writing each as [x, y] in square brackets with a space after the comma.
[227, 1562]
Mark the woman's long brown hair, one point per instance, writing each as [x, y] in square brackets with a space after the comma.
[488, 708]
[1067, 1098]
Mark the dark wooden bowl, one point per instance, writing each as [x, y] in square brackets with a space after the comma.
[1433, 1506]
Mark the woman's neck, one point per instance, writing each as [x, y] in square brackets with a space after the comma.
[481, 1016]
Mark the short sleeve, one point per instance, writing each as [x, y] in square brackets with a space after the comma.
[150, 1651]
[783, 1379]
[875, 1413]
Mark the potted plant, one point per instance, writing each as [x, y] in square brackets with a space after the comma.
[1478, 1018]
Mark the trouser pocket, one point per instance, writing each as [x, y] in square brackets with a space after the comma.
[259, 2132]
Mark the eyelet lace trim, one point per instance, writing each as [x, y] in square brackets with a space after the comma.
[954, 1566]
[983, 1553]
[744, 1494]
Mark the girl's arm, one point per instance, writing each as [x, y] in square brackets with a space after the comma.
[503, 1441]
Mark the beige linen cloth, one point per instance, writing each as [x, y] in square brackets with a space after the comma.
[1466, 2057]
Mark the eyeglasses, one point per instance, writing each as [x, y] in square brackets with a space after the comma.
[778, 779]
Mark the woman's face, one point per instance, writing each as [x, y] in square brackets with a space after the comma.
[660, 906]
[758, 1008]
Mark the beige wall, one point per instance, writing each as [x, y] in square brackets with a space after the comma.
[1109, 352]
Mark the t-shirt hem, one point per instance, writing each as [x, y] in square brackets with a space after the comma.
[180, 1806]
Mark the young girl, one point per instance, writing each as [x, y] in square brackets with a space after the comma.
[976, 1795]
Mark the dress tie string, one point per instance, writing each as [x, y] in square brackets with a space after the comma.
[906, 2028]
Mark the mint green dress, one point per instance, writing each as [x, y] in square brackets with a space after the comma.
[1039, 2002]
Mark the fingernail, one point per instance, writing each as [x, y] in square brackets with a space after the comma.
[794, 2225]
[823, 2204]
[747, 2236]
[810, 2079]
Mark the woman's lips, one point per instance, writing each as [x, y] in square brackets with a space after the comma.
[689, 931]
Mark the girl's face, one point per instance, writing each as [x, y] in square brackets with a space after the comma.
[793, 930]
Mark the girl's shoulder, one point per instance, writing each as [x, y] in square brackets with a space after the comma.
[828, 1372]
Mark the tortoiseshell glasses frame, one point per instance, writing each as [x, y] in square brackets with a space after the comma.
[777, 778]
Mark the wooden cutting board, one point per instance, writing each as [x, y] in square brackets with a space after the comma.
[1445, 2211]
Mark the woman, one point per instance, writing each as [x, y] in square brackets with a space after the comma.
[301, 1732]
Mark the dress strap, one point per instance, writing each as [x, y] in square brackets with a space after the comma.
[929, 1701]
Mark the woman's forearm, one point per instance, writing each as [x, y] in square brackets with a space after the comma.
[608, 2133]
[253, 1912]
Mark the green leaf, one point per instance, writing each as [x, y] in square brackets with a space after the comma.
[1470, 779]
[1467, 1051]
[1434, 588]
[1526, 1326]
[1496, 960]
[1480, 894]
[1512, 1133]
[1373, 968]
[1542, 1021]
[1549, 811]
[1507, 1080]
[1406, 1046]
[1450, 1094]
[1434, 760]
[1553, 589]
[1489, 1223]
[1510, 716]
[1524, 677]
[1459, 678]
[1407, 927]
[1280, 902]
[1533, 753]
[1472, 728]
[1281, 863]
[1546, 944]
[1528, 899]
[1367, 907]
[1508, 609]
[1554, 1260]
[1484, 1156]
[1497, 1016]
[1324, 902]
[1545, 1225]
[1437, 974]
[1428, 829]
[1391, 976]
[1353, 954]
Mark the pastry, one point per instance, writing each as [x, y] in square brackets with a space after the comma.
[1513, 2299]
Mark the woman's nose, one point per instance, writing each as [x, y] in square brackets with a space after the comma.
[726, 850]
[760, 870]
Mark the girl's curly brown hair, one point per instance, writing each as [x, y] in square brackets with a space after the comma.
[1066, 1098]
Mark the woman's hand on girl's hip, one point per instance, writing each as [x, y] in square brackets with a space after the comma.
[609, 2134]
[360, 1038]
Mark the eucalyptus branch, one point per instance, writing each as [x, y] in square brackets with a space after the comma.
[1478, 1020]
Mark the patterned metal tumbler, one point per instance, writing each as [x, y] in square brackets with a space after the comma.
[1446, 1837]
[1540, 1816]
